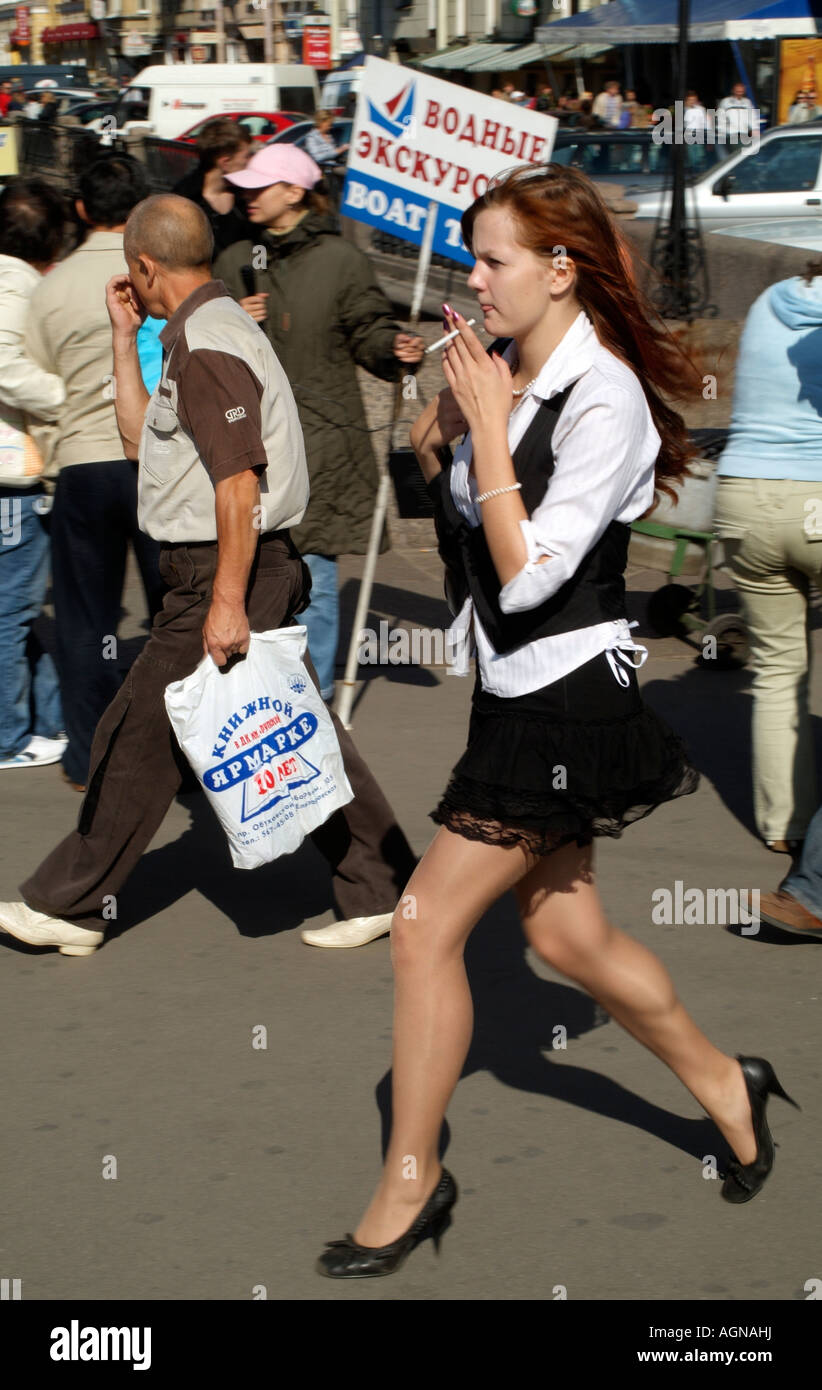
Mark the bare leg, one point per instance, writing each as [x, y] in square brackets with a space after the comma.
[454, 884]
[564, 922]
[562, 915]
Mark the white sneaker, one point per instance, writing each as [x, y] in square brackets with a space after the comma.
[47, 744]
[356, 932]
[37, 753]
[36, 929]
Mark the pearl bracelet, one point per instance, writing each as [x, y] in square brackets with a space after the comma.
[498, 491]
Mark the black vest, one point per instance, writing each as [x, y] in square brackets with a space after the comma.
[594, 594]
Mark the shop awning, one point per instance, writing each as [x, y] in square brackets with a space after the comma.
[584, 51]
[70, 33]
[520, 56]
[466, 56]
[508, 58]
[656, 21]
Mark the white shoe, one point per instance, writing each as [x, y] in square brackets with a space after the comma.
[49, 744]
[357, 932]
[37, 753]
[35, 928]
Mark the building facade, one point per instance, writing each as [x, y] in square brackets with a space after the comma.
[117, 37]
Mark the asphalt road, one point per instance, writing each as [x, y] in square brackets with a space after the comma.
[580, 1168]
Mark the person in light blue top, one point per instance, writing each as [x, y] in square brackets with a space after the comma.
[320, 143]
[776, 426]
[769, 516]
[150, 351]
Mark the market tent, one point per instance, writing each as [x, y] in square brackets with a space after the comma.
[656, 21]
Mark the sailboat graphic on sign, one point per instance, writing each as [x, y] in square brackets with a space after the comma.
[399, 110]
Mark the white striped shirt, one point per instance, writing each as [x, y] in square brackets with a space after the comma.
[321, 148]
[605, 446]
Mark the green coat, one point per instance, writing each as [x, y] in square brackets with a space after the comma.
[326, 315]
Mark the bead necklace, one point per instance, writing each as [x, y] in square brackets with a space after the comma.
[523, 389]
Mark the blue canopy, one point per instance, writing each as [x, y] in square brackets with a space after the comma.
[656, 21]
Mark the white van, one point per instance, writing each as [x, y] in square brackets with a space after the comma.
[338, 87]
[167, 100]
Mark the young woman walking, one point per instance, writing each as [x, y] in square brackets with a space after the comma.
[567, 436]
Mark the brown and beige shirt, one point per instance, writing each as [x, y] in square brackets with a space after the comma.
[223, 404]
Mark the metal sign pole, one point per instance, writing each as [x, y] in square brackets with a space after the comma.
[345, 701]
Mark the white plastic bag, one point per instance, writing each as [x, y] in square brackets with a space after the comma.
[261, 741]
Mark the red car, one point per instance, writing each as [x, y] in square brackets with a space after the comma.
[261, 125]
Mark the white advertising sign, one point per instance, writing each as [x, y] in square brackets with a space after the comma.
[417, 139]
[135, 45]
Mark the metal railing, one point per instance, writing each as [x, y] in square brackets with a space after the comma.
[63, 151]
[166, 161]
[59, 151]
[37, 147]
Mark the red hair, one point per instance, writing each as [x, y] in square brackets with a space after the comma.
[558, 207]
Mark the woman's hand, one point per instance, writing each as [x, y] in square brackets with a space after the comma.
[255, 305]
[481, 385]
[441, 422]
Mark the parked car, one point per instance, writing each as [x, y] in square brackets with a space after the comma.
[35, 74]
[261, 125]
[91, 113]
[67, 97]
[296, 134]
[630, 158]
[803, 232]
[780, 178]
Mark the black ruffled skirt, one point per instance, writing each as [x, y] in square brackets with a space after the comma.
[581, 757]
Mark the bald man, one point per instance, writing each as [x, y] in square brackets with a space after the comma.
[221, 477]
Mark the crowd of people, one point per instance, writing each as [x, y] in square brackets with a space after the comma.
[611, 109]
[35, 106]
[65, 333]
[538, 453]
[608, 110]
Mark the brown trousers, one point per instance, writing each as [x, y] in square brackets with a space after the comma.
[136, 764]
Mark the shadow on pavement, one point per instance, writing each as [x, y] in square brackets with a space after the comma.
[515, 1013]
[515, 1010]
[389, 602]
[259, 902]
[711, 712]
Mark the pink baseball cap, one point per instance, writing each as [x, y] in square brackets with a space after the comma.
[278, 163]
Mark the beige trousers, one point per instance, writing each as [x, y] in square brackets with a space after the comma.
[772, 532]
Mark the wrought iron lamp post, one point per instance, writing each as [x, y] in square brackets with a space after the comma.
[677, 250]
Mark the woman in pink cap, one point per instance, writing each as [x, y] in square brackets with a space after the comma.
[316, 298]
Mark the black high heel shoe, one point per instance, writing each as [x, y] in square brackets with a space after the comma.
[743, 1180]
[345, 1259]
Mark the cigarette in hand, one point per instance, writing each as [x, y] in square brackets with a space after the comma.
[449, 337]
